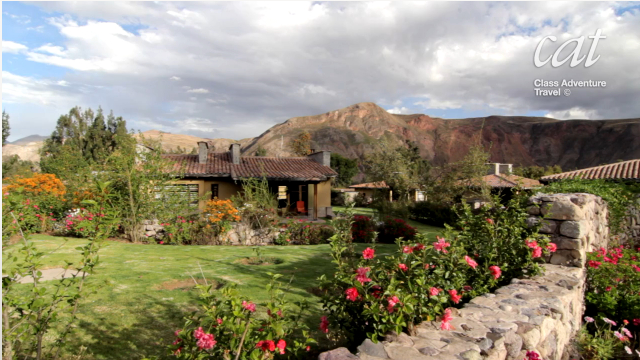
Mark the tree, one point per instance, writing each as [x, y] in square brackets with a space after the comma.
[5, 127]
[345, 167]
[536, 172]
[13, 167]
[261, 151]
[301, 144]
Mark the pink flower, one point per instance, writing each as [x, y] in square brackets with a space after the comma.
[618, 335]
[219, 321]
[352, 294]
[441, 244]
[161, 242]
[392, 301]
[249, 306]
[588, 319]
[266, 345]
[403, 267]
[594, 264]
[446, 317]
[362, 275]
[552, 247]
[407, 249]
[198, 333]
[454, 296]
[610, 322]
[608, 288]
[531, 244]
[470, 261]
[490, 221]
[434, 291]
[368, 253]
[324, 324]
[281, 345]
[495, 271]
[627, 332]
[537, 252]
[206, 342]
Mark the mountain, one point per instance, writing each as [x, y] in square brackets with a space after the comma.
[353, 131]
[170, 142]
[29, 139]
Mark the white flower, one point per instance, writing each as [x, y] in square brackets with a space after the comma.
[626, 348]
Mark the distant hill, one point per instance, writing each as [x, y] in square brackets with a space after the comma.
[29, 139]
[355, 130]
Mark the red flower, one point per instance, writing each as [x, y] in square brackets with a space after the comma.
[403, 267]
[594, 264]
[495, 271]
[446, 317]
[281, 345]
[308, 348]
[418, 247]
[434, 291]
[161, 242]
[537, 252]
[531, 244]
[368, 253]
[470, 261]
[376, 291]
[608, 288]
[441, 244]
[407, 249]
[249, 306]
[552, 247]
[490, 221]
[392, 301]
[352, 294]
[266, 345]
[532, 355]
[454, 296]
[324, 324]
[362, 275]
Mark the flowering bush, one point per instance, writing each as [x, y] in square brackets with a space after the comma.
[37, 185]
[230, 327]
[392, 229]
[299, 232]
[35, 213]
[613, 284]
[370, 296]
[363, 229]
[598, 339]
[83, 222]
[220, 211]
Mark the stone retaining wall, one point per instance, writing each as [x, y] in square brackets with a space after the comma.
[541, 314]
[630, 233]
[240, 234]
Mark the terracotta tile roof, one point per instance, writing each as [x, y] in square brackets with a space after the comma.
[506, 181]
[622, 170]
[219, 165]
[373, 185]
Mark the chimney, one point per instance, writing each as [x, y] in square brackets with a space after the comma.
[494, 169]
[234, 149]
[322, 157]
[203, 151]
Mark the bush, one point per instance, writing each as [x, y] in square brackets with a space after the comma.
[370, 296]
[363, 229]
[257, 205]
[338, 198]
[299, 232]
[613, 284]
[435, 214]
[597, 339]
[83, 223]
[221, 211]
[231, 329]
[362, 200]
[393, 229]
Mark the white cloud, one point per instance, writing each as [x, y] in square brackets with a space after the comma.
[398, 110]
[573, 113]
[198, 91]
[13, 47]
[175, 78]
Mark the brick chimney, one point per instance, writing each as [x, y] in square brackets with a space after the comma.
[203, 152]
[497, 169]
[322, 157]
[234, 149]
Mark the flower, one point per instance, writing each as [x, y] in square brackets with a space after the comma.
[434, 291]
[490, 221]
[608, 288]
[352, 294]
[610, 322]
[362, 275]
[588, 319]
[403, 267]
[266, 345]
[532, 355]
[495, 271]
[552, 247]
[206, 342]
[198, 333]
[454, 296]
[368, 253]
[441, 244]
[407, 249]
[249, 306]
[308, 348]
[324, 324]
[537, 252]
[627, 332]
[594, 264]
[281, 345]
[446, 317]
[219, 321]
[418, 247]
[628, 350]
[470, 261]
[392, 301]
[618, 335]
[531, 244]
[636, 322]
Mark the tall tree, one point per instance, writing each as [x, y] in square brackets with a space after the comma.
[301, 144]
[5, 127]
[345, 167]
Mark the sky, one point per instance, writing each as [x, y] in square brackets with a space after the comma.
[234, 69]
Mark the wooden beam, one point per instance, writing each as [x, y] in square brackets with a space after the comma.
[315, 201]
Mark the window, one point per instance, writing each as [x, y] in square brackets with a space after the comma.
[214, 191]
[191, 191]
[282, 193]
[420, 196]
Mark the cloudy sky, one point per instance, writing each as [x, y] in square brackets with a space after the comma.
[224, 69]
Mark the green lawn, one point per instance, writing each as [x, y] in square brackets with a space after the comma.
[430, 231]
[132, 316]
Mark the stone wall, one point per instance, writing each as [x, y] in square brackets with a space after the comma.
[630, 233]
[540, 314]
[576, 223]
[240, 234]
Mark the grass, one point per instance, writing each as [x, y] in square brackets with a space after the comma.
[144, 291]
[430, 231]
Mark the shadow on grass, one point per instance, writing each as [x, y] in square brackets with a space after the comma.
[148, 336]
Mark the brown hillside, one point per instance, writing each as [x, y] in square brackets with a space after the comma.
[171, 141]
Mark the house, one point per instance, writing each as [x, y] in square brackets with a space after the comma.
[627, 171]
[501, 181]
[291, 179]
[370, 190]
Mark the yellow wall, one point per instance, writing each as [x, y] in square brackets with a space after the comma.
[226, 188]
[324, 194]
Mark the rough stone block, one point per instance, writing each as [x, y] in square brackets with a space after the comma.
[548, 226]
[562, 209]
[574, 229]
[567, 243]
[337, 354]
[373, 349]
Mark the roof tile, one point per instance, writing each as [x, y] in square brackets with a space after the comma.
[622, 170]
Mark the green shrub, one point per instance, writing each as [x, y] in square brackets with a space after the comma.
[300, 232]
[370, 296]
[362, 200]
[434, 214]
[392, 229]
